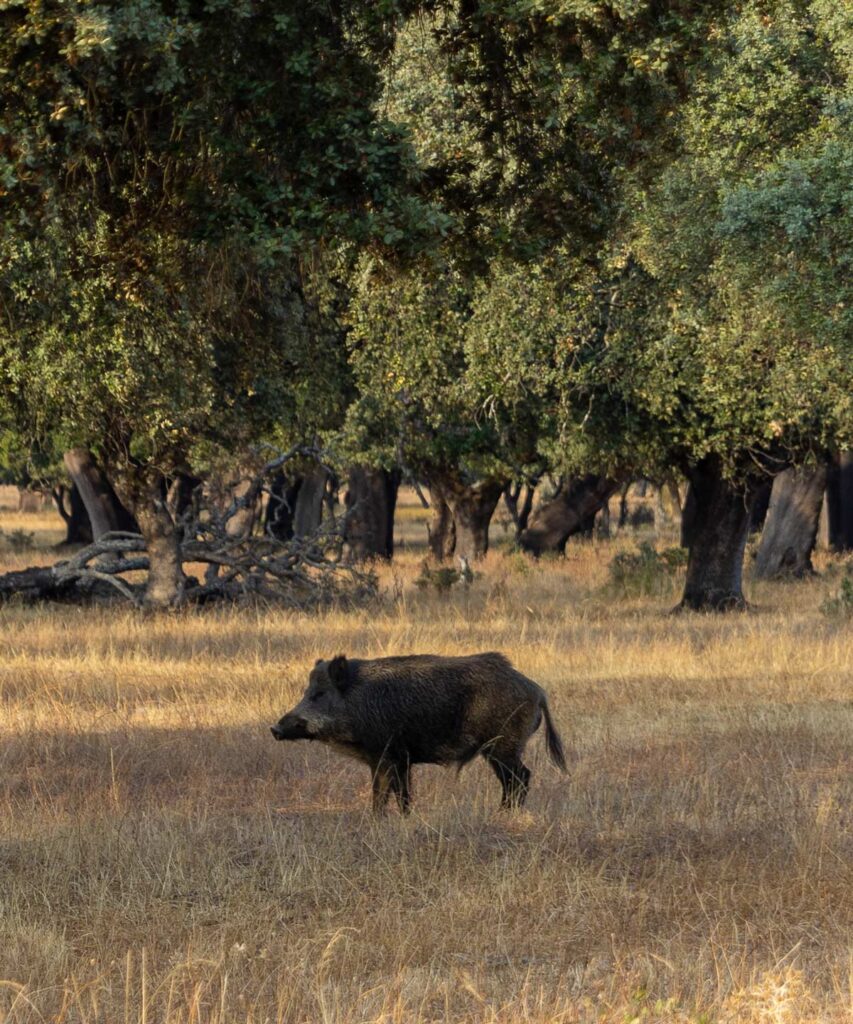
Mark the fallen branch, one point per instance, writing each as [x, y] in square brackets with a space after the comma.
[73, 578]
[299, 573]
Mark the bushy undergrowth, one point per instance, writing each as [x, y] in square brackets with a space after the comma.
[646, 572]
[17, 540]
[841, 602]
[442, 577]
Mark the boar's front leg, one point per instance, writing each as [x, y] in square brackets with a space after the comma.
[381, 788]
[388, 776]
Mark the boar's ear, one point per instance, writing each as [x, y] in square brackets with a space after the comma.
[339, 672]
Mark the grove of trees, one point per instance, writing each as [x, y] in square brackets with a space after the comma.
[460, 243]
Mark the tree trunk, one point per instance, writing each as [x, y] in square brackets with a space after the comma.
[144, 489]
[602, 522]
[525, 508]
[688, 517]
[106, 512]
[30, 501]
[473, 507]
[179, 497]
[308, 511]
[242, 522]
[78, 529]
[717, 535]
[586, 529]
[330, 498]
[567, 513]
[441, 529]
[623, 505]
[791, 528]
[37, 584]
[278, 521]
[760, 506]
[667, 506]
[839, 501]
[518, 498]
[370, 501]
[845, 472]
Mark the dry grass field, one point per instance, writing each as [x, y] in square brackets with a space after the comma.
[163, 860]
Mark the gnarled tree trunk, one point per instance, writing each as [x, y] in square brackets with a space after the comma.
[278, 521]
[602, 522]
[623, 505]
[760, 505]
[295, 506]
[179, 497]
[716, 535]
[570, 511]
[308, 510]
[78, 529]
[473, 506]
[330, 498]
[370, 501]
[790, 530]
[667, 507]
[106, 512]
[518, 498]
[31, 500]
[839, 502]
[242, 524]
[688, 516]
[441, 529]
[144, 489]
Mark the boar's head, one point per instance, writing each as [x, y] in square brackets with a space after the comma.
[321, 714]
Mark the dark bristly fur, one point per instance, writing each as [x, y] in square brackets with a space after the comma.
[392, 713]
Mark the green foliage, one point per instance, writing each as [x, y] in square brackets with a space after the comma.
[474, 357]
[840, 604]
[715, 316]
[554, 98]
[517, 563]
[442, 577]
[422, 398]
[647, 572]
[23, 464]
[170, 178]
[477, 240]
[18, 540]
[745, 238]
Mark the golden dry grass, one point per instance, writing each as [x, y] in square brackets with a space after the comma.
[163, 860]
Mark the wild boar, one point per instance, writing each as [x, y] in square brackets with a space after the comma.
[392, 713]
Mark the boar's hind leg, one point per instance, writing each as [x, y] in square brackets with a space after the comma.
[401, 783]
[514, 777]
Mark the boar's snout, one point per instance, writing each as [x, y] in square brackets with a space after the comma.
[291, 727]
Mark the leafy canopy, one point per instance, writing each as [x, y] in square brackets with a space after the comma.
[169, 173]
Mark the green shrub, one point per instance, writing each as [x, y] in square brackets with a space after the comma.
[647, 571]
[841, 603]
[18, 540]
[518, 562]
[443, 577]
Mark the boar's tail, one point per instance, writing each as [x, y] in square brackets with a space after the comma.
[552, 738]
